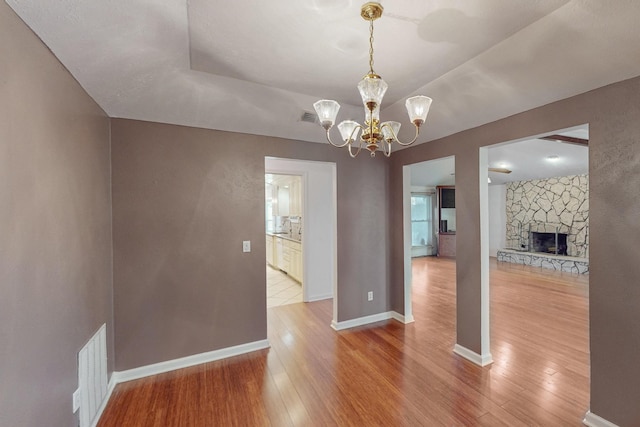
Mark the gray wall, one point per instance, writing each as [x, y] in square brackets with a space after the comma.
[55, 228]
[183, 201]
[613, 115]
[184, 198]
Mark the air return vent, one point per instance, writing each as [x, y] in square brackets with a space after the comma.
[309, 117]
[92, 377]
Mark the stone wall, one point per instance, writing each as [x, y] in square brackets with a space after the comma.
[552, 262]
[549, 205]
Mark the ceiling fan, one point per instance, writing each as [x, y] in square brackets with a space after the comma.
[500, 170]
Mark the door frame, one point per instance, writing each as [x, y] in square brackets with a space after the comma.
[319, 224]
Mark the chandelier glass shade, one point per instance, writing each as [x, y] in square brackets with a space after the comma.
[375, 135]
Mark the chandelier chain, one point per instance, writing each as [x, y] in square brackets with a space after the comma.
[371, 46]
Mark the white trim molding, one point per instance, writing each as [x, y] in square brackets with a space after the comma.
[592, 420]
[319, 297]
[406, 241]
[472, 356]
[402, 318]
[185, 362]
[485, 308]
[338, 326]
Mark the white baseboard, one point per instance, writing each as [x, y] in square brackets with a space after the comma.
[319, 297]
[401, 318]
[480, 360]
[185, 362]
[103, 405]
[338, 326]
[592, 420]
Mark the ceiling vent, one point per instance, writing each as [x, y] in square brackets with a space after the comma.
[309, 117]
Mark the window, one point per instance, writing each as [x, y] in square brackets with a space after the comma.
[421, 220]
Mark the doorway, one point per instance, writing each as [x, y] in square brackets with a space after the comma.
[422, 180]
[537, 189]
[318, 223]
[284, 225]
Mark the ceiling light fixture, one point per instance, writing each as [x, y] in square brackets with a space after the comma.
[553, 158]
[372, 88]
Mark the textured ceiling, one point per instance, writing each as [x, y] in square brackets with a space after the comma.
[527, 159]
[253, 66]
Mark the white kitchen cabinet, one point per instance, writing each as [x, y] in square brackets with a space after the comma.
[287, 192]
[284, 260]
[269, 244]
[282, 196]
[295, 261]
[286, 256]
[278, 253]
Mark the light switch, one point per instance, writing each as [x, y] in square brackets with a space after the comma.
[246, 246]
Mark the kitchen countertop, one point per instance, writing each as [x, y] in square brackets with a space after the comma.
[285, 236]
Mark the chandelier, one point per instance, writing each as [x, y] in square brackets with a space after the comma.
[372, 88]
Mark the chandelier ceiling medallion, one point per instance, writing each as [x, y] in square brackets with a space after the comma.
[372, 88]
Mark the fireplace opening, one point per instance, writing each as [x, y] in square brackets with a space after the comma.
[546, 243]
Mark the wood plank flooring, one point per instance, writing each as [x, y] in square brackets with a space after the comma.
[389, 374]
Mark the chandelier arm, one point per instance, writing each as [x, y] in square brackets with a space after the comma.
[353, 156]
[351, 137]
[395, 137]
[355, 132]
[332, 143]
[388, 145]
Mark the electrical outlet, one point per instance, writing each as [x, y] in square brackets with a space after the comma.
[246, 246]
[370, 296]
[76, 400]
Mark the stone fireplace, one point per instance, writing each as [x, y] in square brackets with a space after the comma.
[541, 207]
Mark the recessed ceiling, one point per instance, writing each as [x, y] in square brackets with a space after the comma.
[256, 67]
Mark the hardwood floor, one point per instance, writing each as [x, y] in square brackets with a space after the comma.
[389, 374]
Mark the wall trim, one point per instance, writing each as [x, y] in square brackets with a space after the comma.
[107, 397]
[592, 420]
[472, 356]
[338, 326]
[185, 362]
[319, 297]
[401, 318]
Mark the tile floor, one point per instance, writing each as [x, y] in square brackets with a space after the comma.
[281, 289]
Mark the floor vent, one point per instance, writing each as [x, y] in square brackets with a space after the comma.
[92, 376]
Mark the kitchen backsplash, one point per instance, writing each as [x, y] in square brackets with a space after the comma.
[289, 224]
